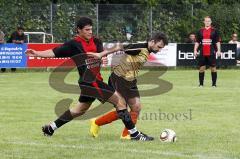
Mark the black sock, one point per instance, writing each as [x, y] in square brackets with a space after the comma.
[3, 69]
[63, 119]
[126, 119]
[201, 78]
[13, 69]
[214, 78]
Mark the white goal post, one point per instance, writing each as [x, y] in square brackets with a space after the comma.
[38, 33]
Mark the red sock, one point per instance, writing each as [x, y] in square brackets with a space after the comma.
[107, 118]
[134, 116]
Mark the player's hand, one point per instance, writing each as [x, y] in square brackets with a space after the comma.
[31, 52]
[95, 55]
[195, 53]
[104, 60]
[218, 53]
[118, 46]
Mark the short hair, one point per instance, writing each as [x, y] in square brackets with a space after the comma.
[84, 21]
[20, 28]
[207, 17]
[158, 37]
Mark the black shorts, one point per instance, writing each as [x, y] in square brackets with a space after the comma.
[128, 89]
[207, 61]
[96, 90]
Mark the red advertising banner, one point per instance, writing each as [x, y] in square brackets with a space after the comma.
[46, 62]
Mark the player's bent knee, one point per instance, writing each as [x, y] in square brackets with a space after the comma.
[118, 101]
[202, 69]
[136, 108]
[213, 69]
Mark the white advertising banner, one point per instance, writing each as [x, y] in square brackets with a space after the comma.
[167, 56]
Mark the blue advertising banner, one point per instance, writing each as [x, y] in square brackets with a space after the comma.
[13, 55]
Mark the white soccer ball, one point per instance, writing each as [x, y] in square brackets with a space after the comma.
[168, 135]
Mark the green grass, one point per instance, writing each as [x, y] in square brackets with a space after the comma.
[27, 102]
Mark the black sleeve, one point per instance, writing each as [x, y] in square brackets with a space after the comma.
[65, 50]
[133, 52]
[134, 48]
[199, 37]
[217, 36]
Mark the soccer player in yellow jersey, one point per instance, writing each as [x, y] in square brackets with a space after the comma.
[123, 79]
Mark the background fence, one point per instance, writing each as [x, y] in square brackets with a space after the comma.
[113, 21]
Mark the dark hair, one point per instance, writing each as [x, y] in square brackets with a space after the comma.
[20, 28]
[84, 21]
[191, 33]
[158, 37]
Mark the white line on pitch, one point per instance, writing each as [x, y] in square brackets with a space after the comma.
[176, 154]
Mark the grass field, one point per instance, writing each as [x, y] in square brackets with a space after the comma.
[27, 102]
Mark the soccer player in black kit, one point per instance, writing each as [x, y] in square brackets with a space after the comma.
[90, 81]
[208, 43]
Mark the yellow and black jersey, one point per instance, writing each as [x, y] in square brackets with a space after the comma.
[135, 57]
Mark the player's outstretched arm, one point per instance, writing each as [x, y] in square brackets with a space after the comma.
[106, 52]
[34, 53]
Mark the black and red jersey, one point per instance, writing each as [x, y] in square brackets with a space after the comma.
[207, 38]
[88, 68]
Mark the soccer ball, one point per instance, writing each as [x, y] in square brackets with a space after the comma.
[168, 135]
